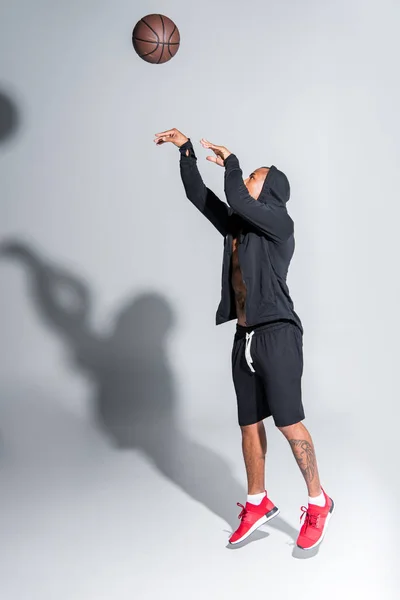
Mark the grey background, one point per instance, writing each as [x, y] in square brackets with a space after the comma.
[120, 460]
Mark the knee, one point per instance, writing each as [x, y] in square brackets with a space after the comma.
[289, 431]
[250, 430]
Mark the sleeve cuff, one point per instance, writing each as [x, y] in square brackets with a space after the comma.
[232, 162]
[187, 146]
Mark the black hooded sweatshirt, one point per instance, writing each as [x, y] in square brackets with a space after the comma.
[265, 235]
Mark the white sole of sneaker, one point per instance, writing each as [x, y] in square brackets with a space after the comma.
[273, 513]
[328, 518]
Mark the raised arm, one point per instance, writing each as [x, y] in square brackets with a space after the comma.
[216, 211]
[271, 219]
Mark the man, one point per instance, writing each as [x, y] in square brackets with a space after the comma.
[267, 355]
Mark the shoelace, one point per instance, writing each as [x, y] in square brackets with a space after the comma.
[311, 519]
[243, 512]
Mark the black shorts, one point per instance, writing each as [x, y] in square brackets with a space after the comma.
[267, 366]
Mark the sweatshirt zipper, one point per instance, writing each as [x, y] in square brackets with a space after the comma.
[243, 278]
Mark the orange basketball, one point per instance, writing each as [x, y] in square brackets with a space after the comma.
[156, 39]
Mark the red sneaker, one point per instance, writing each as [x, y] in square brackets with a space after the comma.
[252, 517]
[315, 523]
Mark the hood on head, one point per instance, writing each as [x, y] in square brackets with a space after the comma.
[276, 188]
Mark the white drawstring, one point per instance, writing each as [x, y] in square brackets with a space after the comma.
[247, 351]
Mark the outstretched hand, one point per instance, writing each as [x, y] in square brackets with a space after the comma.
[177, 138]
[221, 153]
[172, 135]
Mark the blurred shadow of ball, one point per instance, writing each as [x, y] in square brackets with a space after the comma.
[8, 117]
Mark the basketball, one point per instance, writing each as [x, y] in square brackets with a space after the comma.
[156, 39]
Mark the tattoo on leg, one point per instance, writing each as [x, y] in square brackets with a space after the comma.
[304, 454]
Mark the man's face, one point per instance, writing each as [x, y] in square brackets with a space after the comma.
[255, 182]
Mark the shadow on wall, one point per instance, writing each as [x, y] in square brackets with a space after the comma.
[9, 118]
[135, 401]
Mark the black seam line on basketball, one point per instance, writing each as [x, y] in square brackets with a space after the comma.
[163, 27]
[163, 37]
[171, 43]
[154, 42]
[150, 27]
[170, 37]
[161, 55]
[148, 53]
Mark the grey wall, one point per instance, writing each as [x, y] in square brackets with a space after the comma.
[310, 87]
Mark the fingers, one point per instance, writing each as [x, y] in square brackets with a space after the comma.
[164, 133]
[207, 144]
[164, 136]
[162, 139]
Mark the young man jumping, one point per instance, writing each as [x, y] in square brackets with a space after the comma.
[267, 355]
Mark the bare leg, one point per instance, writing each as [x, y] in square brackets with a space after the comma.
[303, 450]
[254, 445]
